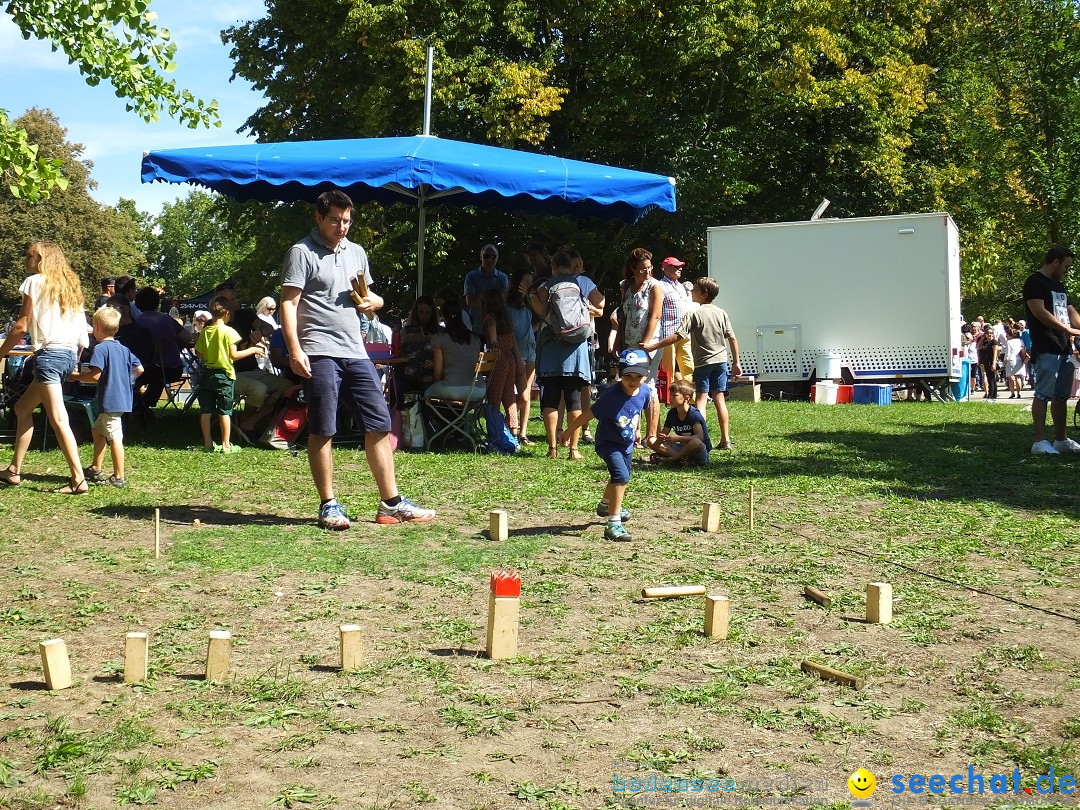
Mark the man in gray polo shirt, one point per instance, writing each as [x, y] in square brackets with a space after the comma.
[321, 326]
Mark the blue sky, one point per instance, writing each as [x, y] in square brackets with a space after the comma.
[31, 75]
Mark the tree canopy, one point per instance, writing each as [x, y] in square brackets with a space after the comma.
[117, 42]
[759, 110]
[194, 247]
[98, 240]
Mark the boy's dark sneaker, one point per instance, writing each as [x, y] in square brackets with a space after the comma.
[113, 481]
[617, 533]
[94, 476]
[602, 511]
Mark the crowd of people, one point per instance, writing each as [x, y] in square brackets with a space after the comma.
[1040, 353]
[539, 322]
[999, 353]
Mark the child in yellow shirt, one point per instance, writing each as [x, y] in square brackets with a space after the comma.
[216, 347]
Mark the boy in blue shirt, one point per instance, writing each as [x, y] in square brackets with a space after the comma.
[112, 367]
[617, 410]
[685, 439]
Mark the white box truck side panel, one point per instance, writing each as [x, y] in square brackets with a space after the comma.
[882, 292]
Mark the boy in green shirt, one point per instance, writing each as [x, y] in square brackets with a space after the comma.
[216, 347]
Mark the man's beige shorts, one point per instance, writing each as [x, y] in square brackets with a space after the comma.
[111, 426]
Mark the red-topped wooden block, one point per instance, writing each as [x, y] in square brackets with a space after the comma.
[506, 582]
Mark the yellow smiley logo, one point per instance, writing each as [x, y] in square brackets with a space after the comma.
[862, 784]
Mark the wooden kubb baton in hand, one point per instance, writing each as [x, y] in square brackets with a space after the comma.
[359, 290]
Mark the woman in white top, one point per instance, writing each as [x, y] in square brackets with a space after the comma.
[1015, 357]
[52, 312]
[642, 301]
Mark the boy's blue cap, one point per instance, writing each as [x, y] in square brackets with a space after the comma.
[634, 361]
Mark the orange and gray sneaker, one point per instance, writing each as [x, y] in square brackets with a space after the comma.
[404, 512]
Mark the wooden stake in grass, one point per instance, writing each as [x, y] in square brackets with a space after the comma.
[717, 616]
[750, 509]
[670, 591]
[502, 624]
[157, 533]
[498, 524]
[878, 602]
[814, 595]
[830, 674]
[217, 654]
[136, 657]
[710, 517]
[351, 657]
[55, 663]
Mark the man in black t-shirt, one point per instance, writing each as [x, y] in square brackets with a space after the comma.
[1054, 322]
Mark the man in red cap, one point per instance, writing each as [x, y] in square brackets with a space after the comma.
[677, 303]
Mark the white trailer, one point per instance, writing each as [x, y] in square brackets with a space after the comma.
[878, 297]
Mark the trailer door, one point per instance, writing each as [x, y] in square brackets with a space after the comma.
[779, 353]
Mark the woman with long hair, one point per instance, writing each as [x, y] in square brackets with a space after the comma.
[52, 312]
[499, 334]
[416, 371]
[455, 350]
[520, 284]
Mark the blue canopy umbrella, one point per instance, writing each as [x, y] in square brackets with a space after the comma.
[422, 169]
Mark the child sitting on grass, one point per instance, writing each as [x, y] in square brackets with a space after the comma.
[617, 410]
[113, 368]
[216, 347]
[685, 439]
[709, 330]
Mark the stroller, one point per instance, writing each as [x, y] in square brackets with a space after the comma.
[16, 374]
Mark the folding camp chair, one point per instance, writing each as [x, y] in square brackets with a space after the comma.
[192, 374]
[172, 388]
[452, 417]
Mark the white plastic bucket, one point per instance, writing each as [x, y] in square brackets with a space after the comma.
[828, 366]
[825, 393]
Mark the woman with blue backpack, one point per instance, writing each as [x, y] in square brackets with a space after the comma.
[562, 364]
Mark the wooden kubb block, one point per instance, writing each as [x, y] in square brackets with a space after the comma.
[217, 654]
[351, 652]
[136, 657]
[498, 524]
[879, 602]
[55, 664]
[710, 517]
[717, 616]
[503, 604]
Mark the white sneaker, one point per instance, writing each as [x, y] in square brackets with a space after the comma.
[1067, 446]
[1043, 448]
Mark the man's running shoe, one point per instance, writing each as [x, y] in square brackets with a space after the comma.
[404, 512]
[332, 516]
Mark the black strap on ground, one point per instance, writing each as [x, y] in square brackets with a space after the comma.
[906, 567]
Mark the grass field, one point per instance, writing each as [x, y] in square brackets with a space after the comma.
[980, 666]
